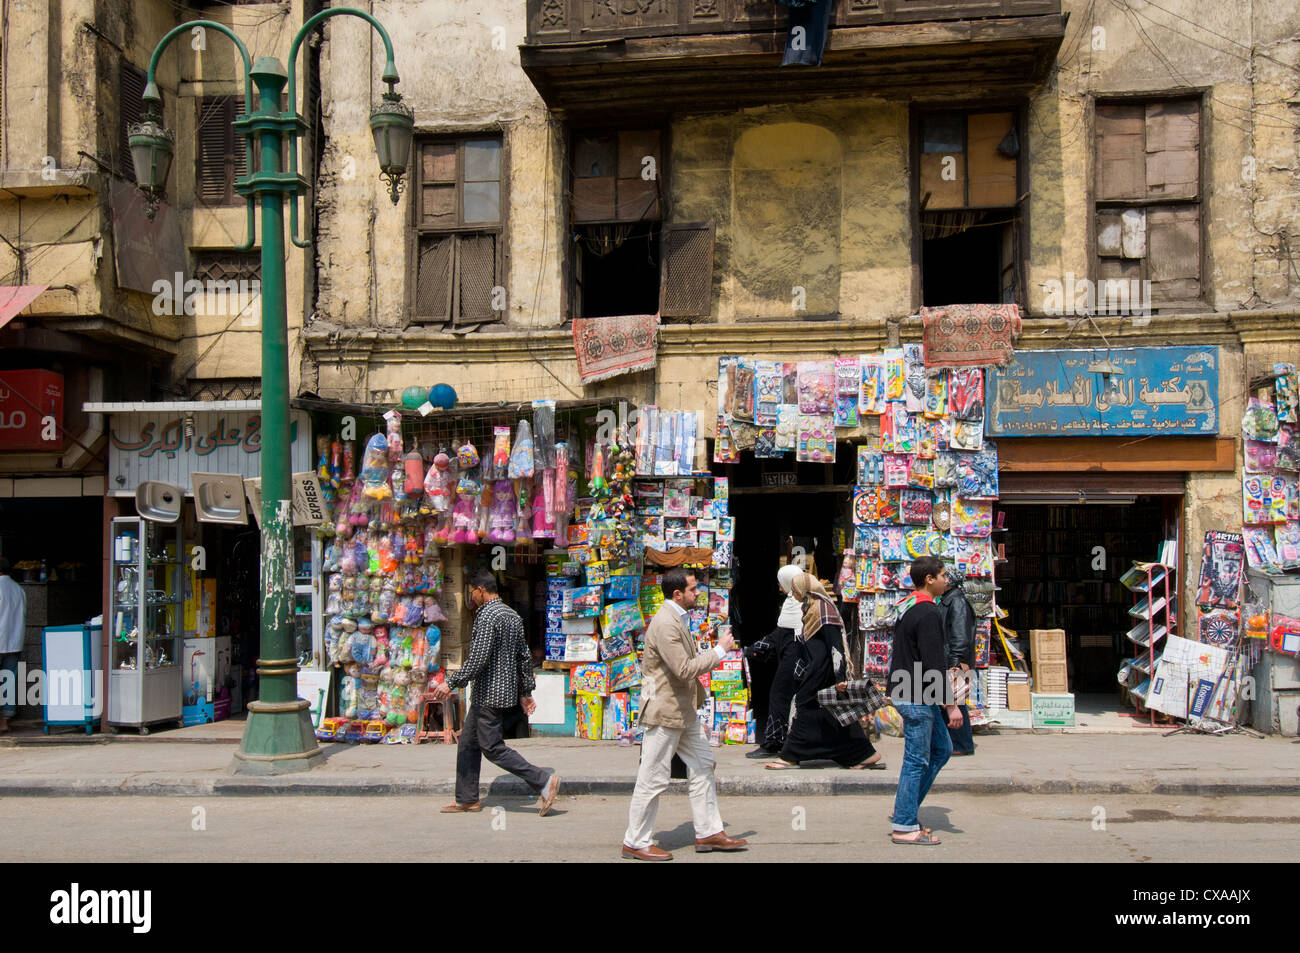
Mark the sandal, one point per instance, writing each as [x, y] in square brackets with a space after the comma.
[872, 764]
[779, 766]
[892, 832]
[922, 839]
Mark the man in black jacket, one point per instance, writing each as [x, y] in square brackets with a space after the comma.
[958, 618]
[918, 688]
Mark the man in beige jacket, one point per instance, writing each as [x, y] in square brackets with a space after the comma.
[670, 694]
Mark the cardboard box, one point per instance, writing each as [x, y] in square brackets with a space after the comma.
[1046, 645]
[1017, 698]
[1053, 710]
[1050, 678]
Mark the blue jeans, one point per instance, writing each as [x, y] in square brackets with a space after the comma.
[926, 749]
[9, 686]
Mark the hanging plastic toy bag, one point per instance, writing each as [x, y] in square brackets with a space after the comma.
[544, 434]
[467, 456]
[500, 452]
[521, 457]
[374, 468]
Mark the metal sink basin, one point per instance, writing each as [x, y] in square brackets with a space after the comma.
[219, 497]
[160, 502]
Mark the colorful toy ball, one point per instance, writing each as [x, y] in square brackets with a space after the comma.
[442, 395]
[413, 397]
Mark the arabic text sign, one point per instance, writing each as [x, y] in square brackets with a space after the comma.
[154, 446]
[1161, 390]
[27, 398]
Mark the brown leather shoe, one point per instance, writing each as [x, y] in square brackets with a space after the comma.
[646, 853]
[719, 841]
[454, 808]
[548, 795]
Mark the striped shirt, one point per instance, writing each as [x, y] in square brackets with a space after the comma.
[499, 665]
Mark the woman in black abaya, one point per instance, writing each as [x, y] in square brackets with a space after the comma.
[820, 663]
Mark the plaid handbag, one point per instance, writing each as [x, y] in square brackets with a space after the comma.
[859, 699]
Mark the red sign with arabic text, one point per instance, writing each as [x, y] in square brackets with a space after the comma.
[31, 411]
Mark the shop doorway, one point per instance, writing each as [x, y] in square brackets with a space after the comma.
[1063, 569]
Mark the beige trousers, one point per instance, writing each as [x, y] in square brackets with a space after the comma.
[652, 780]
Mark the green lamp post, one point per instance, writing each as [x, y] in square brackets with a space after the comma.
[278, 736]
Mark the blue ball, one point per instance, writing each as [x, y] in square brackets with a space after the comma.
[442, 395]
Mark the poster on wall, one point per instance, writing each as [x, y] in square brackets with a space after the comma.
[1221, 563]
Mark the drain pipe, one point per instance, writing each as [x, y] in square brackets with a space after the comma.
[82, 451]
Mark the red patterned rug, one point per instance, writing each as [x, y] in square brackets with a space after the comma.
[970, 335]
[607, 347]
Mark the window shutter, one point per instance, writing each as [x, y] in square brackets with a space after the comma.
[595, 165]
[638, 198]
[130, 89]
[1121, 152]
[212, 176]
[1174, 253]
[686, 275]
[433, 283]
[1173, 141]
[476, 277]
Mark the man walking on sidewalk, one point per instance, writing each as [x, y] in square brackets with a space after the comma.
[670, 694]
[501, 670]
[958, 619]
[918, 688]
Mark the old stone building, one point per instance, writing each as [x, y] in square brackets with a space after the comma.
[824, 215]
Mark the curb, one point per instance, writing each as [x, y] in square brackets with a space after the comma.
[297, 786]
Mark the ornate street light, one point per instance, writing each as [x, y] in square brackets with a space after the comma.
[278, 736]
[393, 125]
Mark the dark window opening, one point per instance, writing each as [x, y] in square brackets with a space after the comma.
[617, 269]
[968, 257]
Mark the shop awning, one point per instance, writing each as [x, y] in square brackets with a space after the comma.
[13, 298]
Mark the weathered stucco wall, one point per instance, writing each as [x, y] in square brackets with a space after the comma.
[460, 71]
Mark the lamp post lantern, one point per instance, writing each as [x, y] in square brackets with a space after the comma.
[278, 736]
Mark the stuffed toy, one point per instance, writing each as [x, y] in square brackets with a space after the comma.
[374, 469]
[438, 483]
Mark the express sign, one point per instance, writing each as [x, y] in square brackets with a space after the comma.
[31, 411]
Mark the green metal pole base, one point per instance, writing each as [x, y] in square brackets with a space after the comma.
[278, 739]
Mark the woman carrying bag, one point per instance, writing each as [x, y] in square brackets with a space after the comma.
[820, 663]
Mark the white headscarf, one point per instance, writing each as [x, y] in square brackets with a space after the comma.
[791, 616]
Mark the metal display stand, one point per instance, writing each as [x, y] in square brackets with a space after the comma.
[146, 596]
[1155, 619]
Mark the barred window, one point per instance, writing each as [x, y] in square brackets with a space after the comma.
[460, 219]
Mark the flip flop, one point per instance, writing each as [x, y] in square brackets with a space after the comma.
[864, 766]
[923, 839]
[779, 766]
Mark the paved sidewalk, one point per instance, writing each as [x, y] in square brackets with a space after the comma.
[1010, 762]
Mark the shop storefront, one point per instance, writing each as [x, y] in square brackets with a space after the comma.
[577, 507]
[182, 547]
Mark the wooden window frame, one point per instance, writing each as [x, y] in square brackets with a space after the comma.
[1019, 109]
[1096, 205]
[569, 261]
[418, 231]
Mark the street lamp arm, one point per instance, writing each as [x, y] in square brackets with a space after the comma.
[153, 99]
[390, 66]
[151, 95]
[389, 76]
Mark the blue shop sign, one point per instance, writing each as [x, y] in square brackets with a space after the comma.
[1116, 392]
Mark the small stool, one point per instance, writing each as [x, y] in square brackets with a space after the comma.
[449, 715]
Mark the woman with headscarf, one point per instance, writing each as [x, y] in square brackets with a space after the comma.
[779, 646]
[820, 662]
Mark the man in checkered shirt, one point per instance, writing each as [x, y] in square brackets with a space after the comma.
[500, 668]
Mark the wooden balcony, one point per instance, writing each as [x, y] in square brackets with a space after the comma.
[594, 59]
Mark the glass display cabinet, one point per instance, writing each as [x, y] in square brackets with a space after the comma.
[146, 600]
